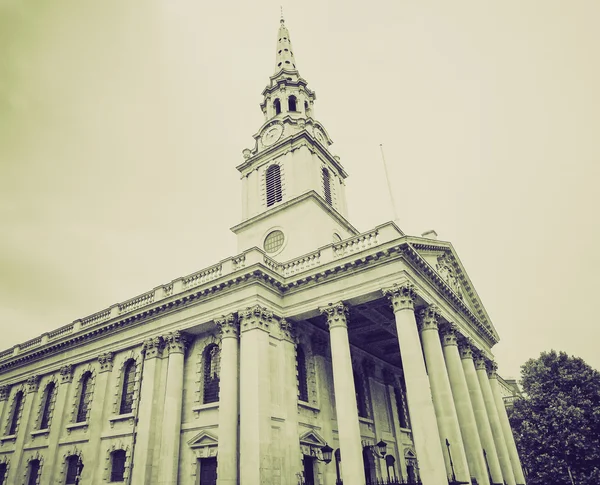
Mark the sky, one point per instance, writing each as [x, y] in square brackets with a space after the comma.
[121, 124]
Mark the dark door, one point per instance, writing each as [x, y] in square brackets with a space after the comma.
[208, 471]
[309, 470]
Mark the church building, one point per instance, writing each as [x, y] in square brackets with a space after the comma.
[316, 355]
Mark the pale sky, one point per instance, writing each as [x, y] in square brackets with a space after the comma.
[121, 124]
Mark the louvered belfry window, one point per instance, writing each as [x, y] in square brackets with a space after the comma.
[273, 182]
[16, 411]
[84, 397]
[48, 396]
[302, 374]
[327, 186]
[212, 370]
[128, 386]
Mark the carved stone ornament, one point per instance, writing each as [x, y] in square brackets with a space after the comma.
[446, 271]
[106, 361]
[66, 374]
[228, 326]
[427, 318]
[336, 313]
[319, 344]
[449, 333]
[402, 296]
[176, 342]
[480, 363]
[152, 347]
[255, 317]
[492, 369]
[33, 383]
[288, 329]
[4, 392]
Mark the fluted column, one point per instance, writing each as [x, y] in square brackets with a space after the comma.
[481, 416]
[56, 424]
[175, 343]
[462, 403]
[255, 391]
[426, 436]
[345, 394]
[227, 471]
[505, 425]
[443, 402]
[146, 430]
[490, 406]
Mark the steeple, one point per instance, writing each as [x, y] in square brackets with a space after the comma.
[284, 58]
[293, 192]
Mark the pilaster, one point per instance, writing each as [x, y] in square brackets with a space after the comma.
[345, 393]
[255, 422]
[425, 431]
[4, 393]
[30, 395]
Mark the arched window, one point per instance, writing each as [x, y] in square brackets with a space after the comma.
[361, 396]
[273, 182]
[327, 186]
[390, 465]
[47, 406]
[74, 466]
[2, 473]
[277, 105]
[117, 466]
[212, 370]
[85, 396]
[302, 374]
[306, 108]
[16, 412]
[292, 103]
[127, 387]
[33, 472]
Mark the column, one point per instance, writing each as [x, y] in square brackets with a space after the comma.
[462, 403]
[255, 395]
[31, 388]
[56, 424]
[145, 435]
[345, 394]
[227, 461]
[505, 425]
[426, 437]
[443, 402]
[481, 416]
[292, 453]
[175, 343]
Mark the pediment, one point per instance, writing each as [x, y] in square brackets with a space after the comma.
[204, 438]
[442, 258]
[312, 438]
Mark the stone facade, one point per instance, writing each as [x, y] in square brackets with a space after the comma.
[249, 371]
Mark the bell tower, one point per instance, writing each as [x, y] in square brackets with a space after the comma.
[293, 187]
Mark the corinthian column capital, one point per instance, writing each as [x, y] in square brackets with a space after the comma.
[402, 296]
[228, 326]
[152, 347]
[465, 347]
[449, 332]
[336, 313]
[288, 329]
[176, 342]
[492, 369]
[427, 318]
[255, 317]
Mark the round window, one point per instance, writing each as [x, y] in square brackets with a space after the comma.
[336, 237]
[274, 241]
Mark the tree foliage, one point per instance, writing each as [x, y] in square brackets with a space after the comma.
[557, 422]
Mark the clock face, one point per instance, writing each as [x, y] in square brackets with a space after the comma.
[271, 134]
[320, 135]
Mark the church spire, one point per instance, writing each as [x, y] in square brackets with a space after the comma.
[285, 55]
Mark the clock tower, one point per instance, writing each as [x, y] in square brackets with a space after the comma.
[293, 187]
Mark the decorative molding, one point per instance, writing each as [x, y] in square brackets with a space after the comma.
[66, 374]
[446, 271]
[402, 296]
[255, 317]
[228, 326]
[152, 347]
[336, 314]
[427, 318]
[4, 392]
[106, 361]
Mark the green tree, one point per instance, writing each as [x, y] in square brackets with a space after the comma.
[557, 422]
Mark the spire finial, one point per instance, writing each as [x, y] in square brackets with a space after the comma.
[281, 8]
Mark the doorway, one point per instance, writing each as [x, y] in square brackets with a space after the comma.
[208, 471]
[308, 463]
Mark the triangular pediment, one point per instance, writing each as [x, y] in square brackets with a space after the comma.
[442, 258]
[312, 438]
[204, 438]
